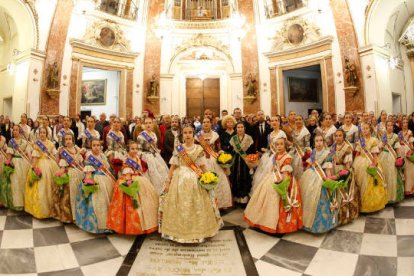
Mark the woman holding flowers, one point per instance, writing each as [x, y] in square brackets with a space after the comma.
[147, 145]
[275, 206]
[266, 161]
[134, 206]
[391, 162]
[38, 190]
[319, 191]
[188, 211]
[348, 195]
[300, 147]
[116, 146]
[407, 147]
[18, 157]
[241, 179]
[67, 181]
[4, 176]
[95, 192]
[209, 140]
[368, 174]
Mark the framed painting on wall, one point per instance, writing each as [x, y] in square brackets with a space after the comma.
[303, 89]
[93, 92]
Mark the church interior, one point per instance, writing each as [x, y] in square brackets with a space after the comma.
[123, 58]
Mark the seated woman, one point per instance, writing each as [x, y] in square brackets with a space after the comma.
[134, 205]
[92, 202]
[320, 205]
[368, 174]
[188, 212]
[38, 194]
[275, 206]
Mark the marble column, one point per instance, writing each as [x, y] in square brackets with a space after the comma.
[249, 52]
[348, 45]
[152, 59]
[54, 53]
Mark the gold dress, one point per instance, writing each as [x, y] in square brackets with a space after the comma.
[373, 192]
[188, 213]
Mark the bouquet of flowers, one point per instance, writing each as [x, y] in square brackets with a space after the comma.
[399, 162]
[35, 175]
[131, 188]
[281, 188]
[8, 168]
[116, 165]
[410, 156]
[372, 170]
[252, 160]
[89, 186]
[225, 160]
[61, 179]
[208, 180]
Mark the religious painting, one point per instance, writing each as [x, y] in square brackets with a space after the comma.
[107, 37]
[303, 89]
[93, 92]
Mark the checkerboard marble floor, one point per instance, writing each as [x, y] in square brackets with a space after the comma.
[375, 244]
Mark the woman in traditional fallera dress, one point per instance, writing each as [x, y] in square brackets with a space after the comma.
[188, 212]
[133, 212]
[368, 174]
[19, 155]
[327, 130]
[407, 147]
[320, 206]
[390, 145]
[92, 209]
[64, 198]
[38, 194]
[240, 176]
[351, 130]
[65, 130]
[300, 147]
[266, 160]
[115, 141]
[147, 145]
[348, 198]
[267, 209]
[89, 134]
[382, 125]
[210, 141]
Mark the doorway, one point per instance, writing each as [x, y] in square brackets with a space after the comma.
[8, 107]
[100, 91]
[202, 95]
[396, 103]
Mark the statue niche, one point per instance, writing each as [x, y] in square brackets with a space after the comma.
[53, 81]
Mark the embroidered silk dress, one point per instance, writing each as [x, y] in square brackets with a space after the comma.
[61, 136]
[13, 191]
[393, 175]
[409, 165]
[266, 161]
[320, 206]
[157, 169]
[85, 137]
[267, 211]
[38, 195]
[223, 190]
[123, 216]
[92, 210]
[116, 150]
[328, 134]
[351, 133]
[301, 142]
[372, 190]
[188, 212]
[64, 203]
[348, 198]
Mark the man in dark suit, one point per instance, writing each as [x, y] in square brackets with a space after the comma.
[172, 138]
[260, 131]
[6, 129]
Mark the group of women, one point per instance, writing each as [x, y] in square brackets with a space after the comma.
[129, 189]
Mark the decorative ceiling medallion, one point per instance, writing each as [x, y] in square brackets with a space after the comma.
[108, 35]
[201, 40]
[295, 32]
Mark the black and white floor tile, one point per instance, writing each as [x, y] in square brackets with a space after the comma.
[377, 244]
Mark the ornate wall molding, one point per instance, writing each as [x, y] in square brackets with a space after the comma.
[31, 5]
[295, 32]
[216, 24]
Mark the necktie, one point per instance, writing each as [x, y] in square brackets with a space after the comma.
[261, 129]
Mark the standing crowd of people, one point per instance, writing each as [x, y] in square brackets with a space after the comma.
[174, 175]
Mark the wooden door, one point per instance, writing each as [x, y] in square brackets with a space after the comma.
[202, 95]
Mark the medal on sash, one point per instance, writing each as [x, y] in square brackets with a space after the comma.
[41, 146]
[95, 162]
[114, 137]
[147, 137]
[67, 157]
[88, 135]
